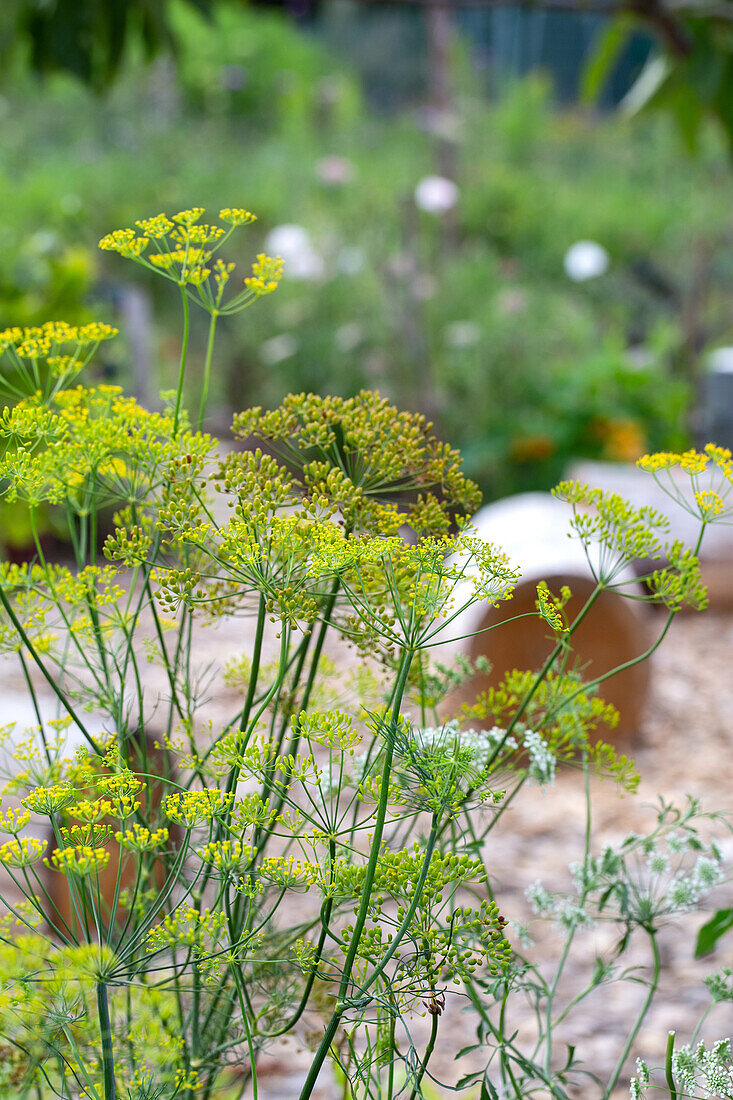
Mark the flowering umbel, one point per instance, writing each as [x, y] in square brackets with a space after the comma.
[313, 861]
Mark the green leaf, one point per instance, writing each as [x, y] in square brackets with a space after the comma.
[711, 932]
[605, 54]
[570, 1058]
[723, 104]
[651, 79]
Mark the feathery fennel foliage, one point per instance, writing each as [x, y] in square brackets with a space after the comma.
[190, 891]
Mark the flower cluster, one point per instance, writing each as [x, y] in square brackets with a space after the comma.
[560, 714]
[550, 608]
[47, 358]
[384, 455]
[90, 448]
[138, 838]
[711, 478]
[195, 807]
[705, 1071]
[21, 852]
[643, 880]
[183, 249]
[80, 860]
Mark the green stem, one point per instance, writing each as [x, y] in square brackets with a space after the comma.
[589, 685]
[669, 1075]
[701, 1023]
[325, 624]
[504, 1067]
[255, 667]
[361, 917]
[262, 834]
[36, 707]
[549, 1023]
[554, 654]
[46, 674]
[392, 1048]
[105, 1033]
[407, 919]
[182, 367]
[639, 1019]
[551, 1001]
[207, 370]
[426, 1057]
[326, 910]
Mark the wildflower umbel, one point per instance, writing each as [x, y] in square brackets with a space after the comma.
[47, 358]
[80, 859]
[183, 249]
[22, 852]
[710, 472]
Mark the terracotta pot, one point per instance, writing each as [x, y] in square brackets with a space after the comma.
[532, 529]
[149, 796]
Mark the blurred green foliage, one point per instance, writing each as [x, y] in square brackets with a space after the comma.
[468, 315]
[689, 74]
[87, 38]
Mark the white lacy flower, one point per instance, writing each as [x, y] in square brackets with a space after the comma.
[539, 897]
[436, 194]
[682, 894]
[570, 916]
[658, 863]
[586, 260]
[542, 761]
[678, 842]
[706, 874]
[294, 245]
[482, 743]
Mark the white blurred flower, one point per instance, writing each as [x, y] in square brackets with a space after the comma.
[511, 300]
[335, 171]
[541, 760]
[43, 241]
[425, 287]
[658, 863]
[706, 873]
[350, 260]
[641, 358]
[293, 243]
[436, 194]
[720, 361]
[586, 260]
[461, 334]
[443, 124]
[348, 336]
[401, 265]
[278, 348]
[539, 897]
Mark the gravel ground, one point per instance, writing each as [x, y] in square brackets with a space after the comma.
[684, 748]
